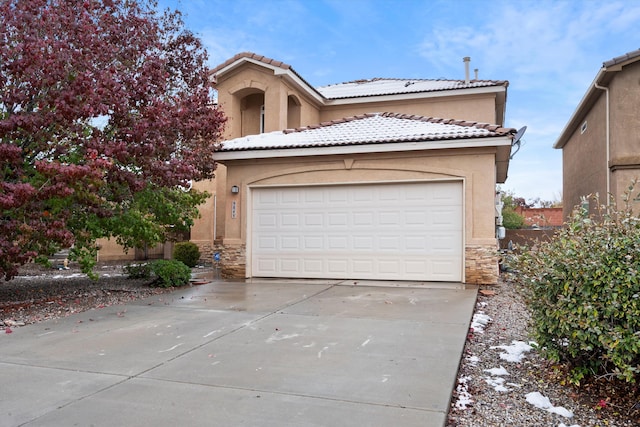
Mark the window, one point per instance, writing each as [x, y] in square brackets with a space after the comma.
[583, 128]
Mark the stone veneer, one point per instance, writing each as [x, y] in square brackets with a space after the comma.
[233, 263]
[481, 265]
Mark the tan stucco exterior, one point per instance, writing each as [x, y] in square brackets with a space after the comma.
[289, 102]
[601, 143]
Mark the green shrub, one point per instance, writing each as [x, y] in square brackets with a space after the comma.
[187, 252]
[511, 219]
[138, 271]
[170, 273]
[583, 289]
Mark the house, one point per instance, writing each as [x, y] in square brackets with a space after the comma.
[601, 141]
[370, 179]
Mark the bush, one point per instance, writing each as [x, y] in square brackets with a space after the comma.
[583, 288]
[138, 271]
[170, 273]
[187, 252]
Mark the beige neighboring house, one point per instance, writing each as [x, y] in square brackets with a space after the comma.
[601, 142]
[383, 179]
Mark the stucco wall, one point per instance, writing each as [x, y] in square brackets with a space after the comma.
[625, 112]
[625, 131]
[584, 159]
[250, 80]
[584, 155]
[474, 167]
[478, 108]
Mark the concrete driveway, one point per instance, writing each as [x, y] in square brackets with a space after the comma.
[256, 353]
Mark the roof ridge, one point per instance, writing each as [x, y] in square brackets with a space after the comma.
[499, 130]
[377, 79]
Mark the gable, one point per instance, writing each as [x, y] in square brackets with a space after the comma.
[596, 89]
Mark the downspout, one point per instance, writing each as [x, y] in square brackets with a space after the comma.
[606, 89]
[215, 217]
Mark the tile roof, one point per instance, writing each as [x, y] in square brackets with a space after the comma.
[378, 86]
[365, 129]
[250, 55]
[623, 58]
[367, 87]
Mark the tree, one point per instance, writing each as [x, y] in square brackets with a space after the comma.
[105, 114]
[510, 218]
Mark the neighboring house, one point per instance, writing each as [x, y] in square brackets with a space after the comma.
[601, 142]
[373, 179]
[541, 217]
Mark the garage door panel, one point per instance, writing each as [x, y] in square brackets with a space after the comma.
[290, 243]
[363, 243]
[313, 198]
[362, 266]
[338, 196]
[265, 220]
[290, 265]
[409, 231]
[289, 220]
[337, 242]
[389, 243]
[389, 267]
[267, 265]
[313, 219]
[419, 266]
[290, 199]
[312, 267]
[267, 243]
[362, 219]
[313, 243]
[337, 266]
[338, 219]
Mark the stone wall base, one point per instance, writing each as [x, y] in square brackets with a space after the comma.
[206, 251]
[481, 265]
[233, 264]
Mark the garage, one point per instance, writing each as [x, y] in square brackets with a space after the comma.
[375, 231]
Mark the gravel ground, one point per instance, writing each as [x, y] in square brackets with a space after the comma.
[486, 395]
[40, 293]
[489, 396]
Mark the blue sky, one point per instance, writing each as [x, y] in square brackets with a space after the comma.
[549, 51]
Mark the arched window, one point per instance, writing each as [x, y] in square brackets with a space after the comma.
[252, 114]
[293, 112]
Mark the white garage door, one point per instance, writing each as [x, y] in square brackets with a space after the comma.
[408, 231]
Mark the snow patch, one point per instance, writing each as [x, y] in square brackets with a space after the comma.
[473, 360]
[479, 322]
[497, 383]
[542, 402]
[464, 397]
[515, 352]
[497, 372]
